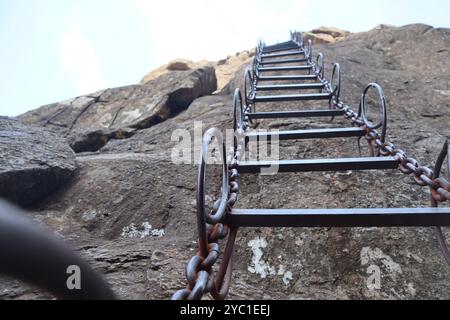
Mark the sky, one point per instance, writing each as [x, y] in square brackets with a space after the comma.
[53, 50]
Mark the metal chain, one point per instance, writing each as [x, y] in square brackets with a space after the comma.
[423, 176]
[200, 274]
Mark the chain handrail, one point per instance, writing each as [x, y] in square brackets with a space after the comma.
[212, 228]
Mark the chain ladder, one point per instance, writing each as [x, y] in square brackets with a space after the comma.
[212, 227]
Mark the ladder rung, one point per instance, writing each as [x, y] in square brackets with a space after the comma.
[294, 97]
[310, 134]
[281, 44]
[289, 78]
[315, 165]
[279, 49]
[296, 114]
[351, 218]
[293, 68]
[302, 86]
[284, 61]
[287, 54]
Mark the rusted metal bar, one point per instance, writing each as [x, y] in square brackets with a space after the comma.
[284, 61]
[301, 86]
[288, 43]
[300, 77]
[284, 54]
[309, 134]
[294, 97]
[327, 218]
[282, 48]
[314, 165]
[295, 114]
[293, 68]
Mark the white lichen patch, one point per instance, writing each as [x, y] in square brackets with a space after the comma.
[262, 268]
[143, 231]
[258, 265]
[371, 256]
[282, 270]
[288, 277]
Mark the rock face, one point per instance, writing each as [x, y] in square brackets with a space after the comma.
[225, 69]
[91, 121]
[175, 65]
[326, 35]
[333, 32]
[33, 162]
[131, 210]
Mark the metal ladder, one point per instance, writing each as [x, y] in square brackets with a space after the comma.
[224, 220]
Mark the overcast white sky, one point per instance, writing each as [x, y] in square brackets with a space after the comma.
[52, 50]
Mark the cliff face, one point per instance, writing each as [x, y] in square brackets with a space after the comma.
[130, 211]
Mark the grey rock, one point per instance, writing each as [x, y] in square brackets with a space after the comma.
[91, 121]
[33, 162]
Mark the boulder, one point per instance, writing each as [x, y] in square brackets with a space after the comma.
[326, 35]
[334, 32]
[225, 68]
[33, 162]
[180, 65]
[90, 121]
[174, 65]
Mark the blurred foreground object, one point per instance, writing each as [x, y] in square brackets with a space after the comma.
[35, 256]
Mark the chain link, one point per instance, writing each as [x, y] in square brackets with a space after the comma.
[201, 277]
[423, 176]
